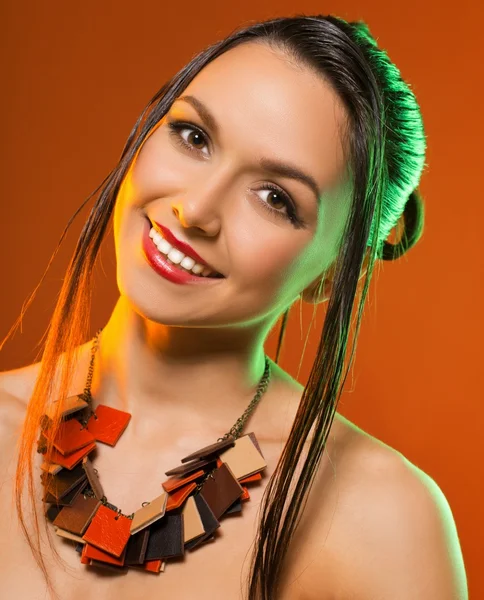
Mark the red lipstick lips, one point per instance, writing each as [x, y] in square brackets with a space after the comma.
[164, 267]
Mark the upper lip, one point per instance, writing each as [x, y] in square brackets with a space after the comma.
[182, 246]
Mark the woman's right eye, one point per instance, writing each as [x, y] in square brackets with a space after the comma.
[190, 141]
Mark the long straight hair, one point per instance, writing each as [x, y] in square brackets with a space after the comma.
[385, 152]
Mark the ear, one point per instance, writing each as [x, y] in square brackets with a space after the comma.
[320, 289]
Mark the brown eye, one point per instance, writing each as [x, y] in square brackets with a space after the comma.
[195, 138]
[276, 198]
[272, 203]
[188, 136]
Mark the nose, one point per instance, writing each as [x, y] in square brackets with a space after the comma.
[203, 203]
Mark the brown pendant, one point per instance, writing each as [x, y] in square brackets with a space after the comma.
[176, 482]
[190, 467]
[60, 484]
[148, 514]
[92, 477]
[77, 517]
[221, 490]
[211, 450]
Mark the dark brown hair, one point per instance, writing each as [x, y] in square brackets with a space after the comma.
[386, 153]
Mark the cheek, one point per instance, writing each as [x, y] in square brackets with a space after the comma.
[273, 265]
[153, 171]
[151, 175]
[155, 174]
[263, 256]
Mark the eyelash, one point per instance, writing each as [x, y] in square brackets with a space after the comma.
[174, 130]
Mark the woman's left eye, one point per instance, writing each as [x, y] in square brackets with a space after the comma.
[289, 212]
[194, 138]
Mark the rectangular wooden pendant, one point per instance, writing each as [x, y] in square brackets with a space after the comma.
[60, 484]
[77, 517]
[221, 490]
[154, 566]
[192, 522]
[243, 458]
[94, 553]
[149, 514]
[68, 535]
[70, 437]
[210, 523]
[251, 478]
[108, 531]
[50, 468]
[176, 482]
[70, 405]
[256, 443]
[179, 496]
[106, 566]
[192, 466]
[69, 498]
[166, 538]
[203, 539]
[136, 548]
[210, 450]
[69, 461]
[52, 511]
[234, 509]
[93, 478]
[107, 424]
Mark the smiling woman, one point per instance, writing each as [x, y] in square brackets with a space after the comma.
[272, 168]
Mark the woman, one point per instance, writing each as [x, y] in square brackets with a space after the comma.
[273, 166]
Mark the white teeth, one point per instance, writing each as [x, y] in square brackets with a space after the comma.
[163, 245]
[176, 257]
[157, 237]
[197, 269]
[187, 263]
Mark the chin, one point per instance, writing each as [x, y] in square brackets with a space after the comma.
[151, 303]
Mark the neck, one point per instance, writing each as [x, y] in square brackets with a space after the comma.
[145, 368]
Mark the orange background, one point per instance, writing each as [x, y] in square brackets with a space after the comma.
[75, 78]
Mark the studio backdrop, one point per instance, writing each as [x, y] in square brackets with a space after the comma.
[75, 78]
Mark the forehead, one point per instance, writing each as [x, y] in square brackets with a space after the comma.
[271, 107]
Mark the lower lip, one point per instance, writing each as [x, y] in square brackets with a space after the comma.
[166, 269]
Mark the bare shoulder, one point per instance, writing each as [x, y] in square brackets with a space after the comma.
[16, 386]
[19, 383]
[392, 533]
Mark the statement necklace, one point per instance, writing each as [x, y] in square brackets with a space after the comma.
[210, 484]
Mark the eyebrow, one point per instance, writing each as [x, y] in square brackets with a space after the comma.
[273, 166]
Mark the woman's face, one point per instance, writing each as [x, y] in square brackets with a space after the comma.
[209, 181]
